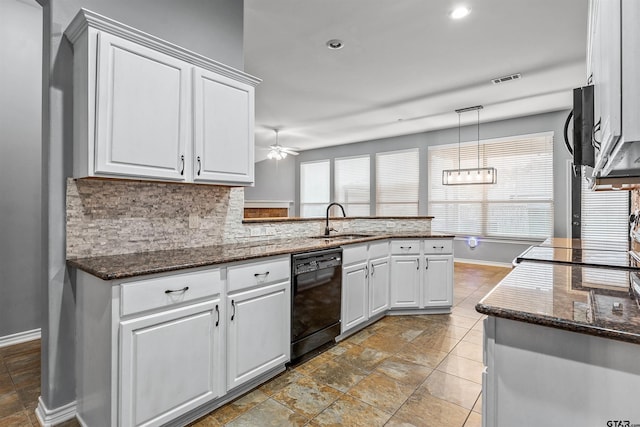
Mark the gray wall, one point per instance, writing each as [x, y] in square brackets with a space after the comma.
[213, 28]
[487, 251]
[275, 180]
[20, 124]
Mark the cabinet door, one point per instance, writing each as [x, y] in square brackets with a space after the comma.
[224, 116]
[607, 72]
[354, 295]
[378, 286]
[169, 363]
[438, 283]
[259, 331]
[405, 281]
[142, 117]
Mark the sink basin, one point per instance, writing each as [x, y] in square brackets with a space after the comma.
[351, 236]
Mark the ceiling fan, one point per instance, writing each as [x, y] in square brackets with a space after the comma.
[279, 152]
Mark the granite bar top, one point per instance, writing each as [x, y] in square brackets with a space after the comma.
[587, 300]
[585, 257]
[138, 264]
[603, 245]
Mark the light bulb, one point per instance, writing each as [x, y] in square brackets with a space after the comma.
[468, 176]
[460, 12]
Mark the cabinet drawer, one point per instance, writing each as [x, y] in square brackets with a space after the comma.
[379, 250]
[246, 276]
[352, 254]
[154, 293]
[438, 246]
[405, 247]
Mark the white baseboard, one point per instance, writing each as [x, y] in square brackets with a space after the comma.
[50, 417]
[20, 337]
[483, 262]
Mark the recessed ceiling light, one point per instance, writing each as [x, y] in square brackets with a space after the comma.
[460, 12]
[335, 44]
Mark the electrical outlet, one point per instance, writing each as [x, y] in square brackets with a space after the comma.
[194, 221]
[256, 231]
[270, 231]
[391, 224]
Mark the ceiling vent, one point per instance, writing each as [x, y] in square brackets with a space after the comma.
[508, 78]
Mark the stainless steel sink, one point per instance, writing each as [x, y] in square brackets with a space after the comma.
[350, 236]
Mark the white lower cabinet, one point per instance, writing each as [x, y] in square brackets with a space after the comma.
[170, 363]
[378, 286]
[354, 295]
[405, 281]
[424, 278]
[365, 283]
[152, 350]
[259, 331]
[438, 283]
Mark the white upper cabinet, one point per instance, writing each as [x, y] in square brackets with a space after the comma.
[613, 66]
[223, 125]
[142, 111]
[147, 109]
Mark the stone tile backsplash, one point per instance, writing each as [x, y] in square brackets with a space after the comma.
[112, 216]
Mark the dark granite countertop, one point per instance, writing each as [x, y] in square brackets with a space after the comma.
[585, 257]
[332, 218]
[570, 297]
[138, 264]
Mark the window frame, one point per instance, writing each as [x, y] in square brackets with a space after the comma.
[482, 229]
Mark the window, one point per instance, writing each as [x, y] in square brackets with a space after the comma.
[519, 205]
[605, 216]
[352, 183]
[314, 188]
[397, 183]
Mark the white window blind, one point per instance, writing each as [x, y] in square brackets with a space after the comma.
[397, 183]
[314, 188]
[605, 215]
[352, 183]
[519, 205]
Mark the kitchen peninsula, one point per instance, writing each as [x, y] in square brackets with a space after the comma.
[562, 340]
[220, 315]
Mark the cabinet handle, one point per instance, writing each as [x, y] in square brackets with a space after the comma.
[417, 263]
[233, 305]
[366, 271]
[596, 129]
[218, 315]
[265, 274]
[427, 261]
[373, 269]
[199, 165]
[438, 247]
[182, 165]
[171, 291]
[405, 247]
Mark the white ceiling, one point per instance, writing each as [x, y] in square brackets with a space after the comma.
[406, 59]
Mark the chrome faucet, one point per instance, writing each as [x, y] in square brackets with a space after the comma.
[327, 229]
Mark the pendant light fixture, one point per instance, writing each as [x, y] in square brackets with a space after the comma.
[471, 176]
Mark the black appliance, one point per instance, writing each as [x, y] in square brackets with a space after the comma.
[316, 300]
[584, 143]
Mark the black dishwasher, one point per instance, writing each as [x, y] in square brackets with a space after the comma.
[315, 300]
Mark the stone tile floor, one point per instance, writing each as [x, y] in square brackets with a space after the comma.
[401, 371]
